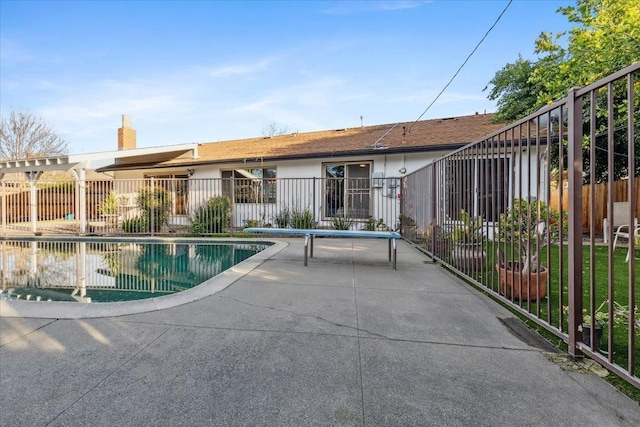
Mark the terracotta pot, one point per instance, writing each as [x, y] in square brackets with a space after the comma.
[526, 287]
[440, 247]
[468, 257]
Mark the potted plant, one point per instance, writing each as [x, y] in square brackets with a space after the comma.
[600, 320]
[381, 226]
[409, 230]
[522, 234]
[468, 253]
[437, 240]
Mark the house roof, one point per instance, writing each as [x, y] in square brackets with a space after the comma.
[425, 135]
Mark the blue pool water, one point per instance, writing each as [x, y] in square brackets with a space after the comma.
[110, 271]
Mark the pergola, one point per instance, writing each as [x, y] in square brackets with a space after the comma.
[78, 164]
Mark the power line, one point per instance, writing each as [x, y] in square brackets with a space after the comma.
[463, 64]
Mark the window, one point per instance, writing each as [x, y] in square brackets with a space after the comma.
[177, 186]
[347, 190]
[478, 186]
[257, 185]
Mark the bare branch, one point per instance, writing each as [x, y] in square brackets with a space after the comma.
[274, 129]
[24, 135]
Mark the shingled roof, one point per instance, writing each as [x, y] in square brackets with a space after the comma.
[424, 135]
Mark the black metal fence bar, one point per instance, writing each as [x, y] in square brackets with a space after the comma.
[508, 214]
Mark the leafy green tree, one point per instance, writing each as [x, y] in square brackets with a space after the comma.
[516, 96]
[605, 40]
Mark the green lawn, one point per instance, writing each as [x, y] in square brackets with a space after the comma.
[550, 307]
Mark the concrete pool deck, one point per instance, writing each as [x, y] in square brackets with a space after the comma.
[344, 341]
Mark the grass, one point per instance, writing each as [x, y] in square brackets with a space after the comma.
[550, 308]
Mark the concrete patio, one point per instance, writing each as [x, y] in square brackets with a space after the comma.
[344, 341]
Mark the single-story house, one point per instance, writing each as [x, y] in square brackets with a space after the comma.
[370, 159]
[353, 173]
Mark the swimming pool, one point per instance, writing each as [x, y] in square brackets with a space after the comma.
[114, 270]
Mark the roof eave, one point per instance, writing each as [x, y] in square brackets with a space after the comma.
[348, 153]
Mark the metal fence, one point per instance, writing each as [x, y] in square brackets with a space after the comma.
[484, 211]
[505, 212]
[197, 206]
[111, 270]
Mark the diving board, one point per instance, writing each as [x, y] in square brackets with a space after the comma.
[310, 233]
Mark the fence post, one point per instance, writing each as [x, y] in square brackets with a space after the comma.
[432, 210]
[33, 177]
[403, 186]
[574, 172]
[82, 200]
[632, 214]
[152, 203]
[314, 202]
[4, 206]
[232, 213]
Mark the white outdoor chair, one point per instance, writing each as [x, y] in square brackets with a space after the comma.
[636, 236]
[620, 223]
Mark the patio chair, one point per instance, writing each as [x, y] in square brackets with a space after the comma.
[620, 224]
[636, 236]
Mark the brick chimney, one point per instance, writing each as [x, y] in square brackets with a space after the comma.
[126, 135]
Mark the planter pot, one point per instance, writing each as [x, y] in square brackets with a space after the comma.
[410, 232]
[524, 287]
[597, 336]
[440, 247]
[468, 257]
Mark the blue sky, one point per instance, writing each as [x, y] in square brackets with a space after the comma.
[196, 71]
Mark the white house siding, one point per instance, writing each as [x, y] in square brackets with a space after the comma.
[295, 185]
[526, 181]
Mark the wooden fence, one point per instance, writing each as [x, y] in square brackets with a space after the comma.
[54, 200]
[600, 200]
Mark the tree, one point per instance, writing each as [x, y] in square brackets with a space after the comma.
[606, 39]
[24, 135]
[516, 96]
[274, 129]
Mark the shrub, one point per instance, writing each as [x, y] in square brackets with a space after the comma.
[282, 218]
[136, 225]
[111, 204]
[469, 231]
[370, 225]
[155, 204]
[301, 219]
[341, 222]
[212, 217]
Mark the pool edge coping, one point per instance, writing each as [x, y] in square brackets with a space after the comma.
[76, 310]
